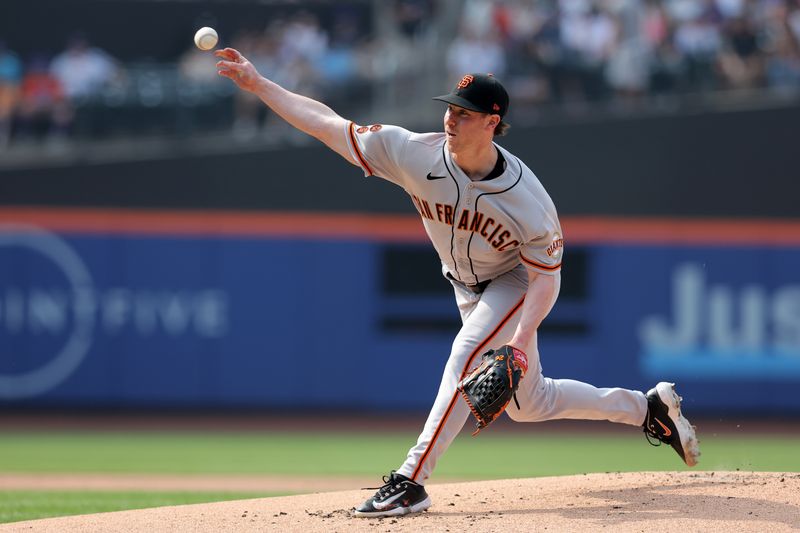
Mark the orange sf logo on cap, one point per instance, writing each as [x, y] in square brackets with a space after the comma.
[465, 81]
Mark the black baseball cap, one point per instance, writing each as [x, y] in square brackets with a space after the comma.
[478, 92]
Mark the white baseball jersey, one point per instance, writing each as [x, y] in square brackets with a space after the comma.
[481, 229]
[484, 231]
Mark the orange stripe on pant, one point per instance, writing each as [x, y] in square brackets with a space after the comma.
[478, 350]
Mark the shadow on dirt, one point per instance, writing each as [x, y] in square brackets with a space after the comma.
[703, 499]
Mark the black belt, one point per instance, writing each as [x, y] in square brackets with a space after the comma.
[477, 288]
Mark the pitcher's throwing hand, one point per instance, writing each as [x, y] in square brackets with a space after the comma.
[235, 66]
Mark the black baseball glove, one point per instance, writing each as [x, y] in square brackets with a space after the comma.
[489, 388]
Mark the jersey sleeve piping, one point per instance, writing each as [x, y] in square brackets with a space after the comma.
[356, 152]
[540, 266]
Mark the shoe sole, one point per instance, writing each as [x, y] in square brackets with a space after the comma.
[397, 511]
[686, 433]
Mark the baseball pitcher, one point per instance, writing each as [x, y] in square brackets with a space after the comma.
[498, 236]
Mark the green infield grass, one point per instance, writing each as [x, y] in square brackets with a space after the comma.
[491, 455]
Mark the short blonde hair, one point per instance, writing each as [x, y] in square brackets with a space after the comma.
[501, 128]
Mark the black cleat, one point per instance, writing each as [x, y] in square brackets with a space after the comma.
[398, 496]
[665, 423]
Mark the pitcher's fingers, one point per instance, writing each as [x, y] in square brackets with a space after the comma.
[232, 74]
[229, 65]
[224, 66]
[231, 54]
[225, 53]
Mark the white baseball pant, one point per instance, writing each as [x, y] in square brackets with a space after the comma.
[489, 320]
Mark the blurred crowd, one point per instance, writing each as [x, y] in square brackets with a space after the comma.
[302, 55]
[548, 52]
[594, 50]
[84, 91]
[343, 60]
[38, 99]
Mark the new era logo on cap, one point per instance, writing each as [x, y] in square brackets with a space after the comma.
[478, 92]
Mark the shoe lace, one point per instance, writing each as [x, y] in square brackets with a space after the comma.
[390, 484]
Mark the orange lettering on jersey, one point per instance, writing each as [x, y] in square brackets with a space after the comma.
[448, 215]
[463, 222]
[476, 222]
[428, 213]
[375, 127]
[362, 129]
[490, 237]
[506, 246]
[417, 205]
[555, 247]
[498, 242]
[489, 220]
[477, 218]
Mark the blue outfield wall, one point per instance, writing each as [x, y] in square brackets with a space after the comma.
[90, 320]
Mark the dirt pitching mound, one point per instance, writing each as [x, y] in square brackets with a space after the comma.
[684, 501]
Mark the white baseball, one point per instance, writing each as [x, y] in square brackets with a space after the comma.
[206, 38]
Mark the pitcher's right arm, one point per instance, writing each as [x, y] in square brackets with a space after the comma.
[305, 114]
